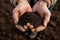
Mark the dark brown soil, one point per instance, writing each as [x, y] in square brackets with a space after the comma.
[32, 18]
[8, 31]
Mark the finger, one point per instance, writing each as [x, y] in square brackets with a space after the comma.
[20, 28]
[15, 16]
[31, 26]
[33, 30]
[28, 24]
[40, 28]
[25, 27]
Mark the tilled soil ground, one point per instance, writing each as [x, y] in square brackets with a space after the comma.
[8, 31]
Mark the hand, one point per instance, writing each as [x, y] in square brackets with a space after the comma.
[42, 9]
[18, 11]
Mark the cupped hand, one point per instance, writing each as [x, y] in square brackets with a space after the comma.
[18, 11]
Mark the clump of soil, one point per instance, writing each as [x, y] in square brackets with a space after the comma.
[32, 18]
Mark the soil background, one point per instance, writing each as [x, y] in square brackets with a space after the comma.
[8, 31]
